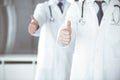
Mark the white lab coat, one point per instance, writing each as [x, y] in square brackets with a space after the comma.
[97, 48]
[53, 62]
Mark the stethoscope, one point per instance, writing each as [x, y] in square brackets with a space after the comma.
[51, 19]
[116, 22]
[82, 20]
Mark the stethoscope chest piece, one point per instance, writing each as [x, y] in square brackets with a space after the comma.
[82, 21]
[52, 19]
[51, 15]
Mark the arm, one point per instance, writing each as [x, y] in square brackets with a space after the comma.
[33, 26]
[38, 19]
[67, 32]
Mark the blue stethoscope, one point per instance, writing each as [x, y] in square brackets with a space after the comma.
[114, 22]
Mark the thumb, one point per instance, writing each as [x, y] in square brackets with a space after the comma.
[32, 18]
[69, 26]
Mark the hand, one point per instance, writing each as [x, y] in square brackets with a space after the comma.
[65, 34]
[33, 26]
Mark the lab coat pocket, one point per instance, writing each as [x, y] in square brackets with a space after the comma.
[114, 33]
[116, 17]
[116, 50]
[79, 68]
[113, 39]
[83, 27]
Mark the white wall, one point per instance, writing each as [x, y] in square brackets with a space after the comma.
[17, 67]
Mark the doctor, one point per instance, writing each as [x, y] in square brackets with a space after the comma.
[53, 62]
[94, 26]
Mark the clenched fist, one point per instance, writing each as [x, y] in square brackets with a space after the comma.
[65, 34]
[33, 26]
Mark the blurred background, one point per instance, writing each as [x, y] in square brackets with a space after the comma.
[14, 20]
[18, 49]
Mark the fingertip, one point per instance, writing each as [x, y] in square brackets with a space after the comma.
[32, 17]
[69, 23]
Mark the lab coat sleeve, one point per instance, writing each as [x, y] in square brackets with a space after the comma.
[40, 15]
[37, 33]
[72, 16]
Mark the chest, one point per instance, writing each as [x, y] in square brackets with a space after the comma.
[88, 27]
[88, 17]
[54, 12]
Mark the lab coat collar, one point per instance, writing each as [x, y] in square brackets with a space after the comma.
[56, 2]
[106, 1]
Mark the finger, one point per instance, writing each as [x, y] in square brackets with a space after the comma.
[65, 32]
[65, 42]
[32, 17]
[65, 36]
[32, 28]
[61, 39]
[69, 26]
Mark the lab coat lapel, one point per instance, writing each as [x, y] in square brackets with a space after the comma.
[66, 5]
[90, 6]
[65, 8]
[108, 12]
[57, 9]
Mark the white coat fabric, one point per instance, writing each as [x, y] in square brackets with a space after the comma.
[53, 62]
[97, 48]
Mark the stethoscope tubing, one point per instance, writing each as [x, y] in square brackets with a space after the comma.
[51, 16]
[117, 22]
[82, 14]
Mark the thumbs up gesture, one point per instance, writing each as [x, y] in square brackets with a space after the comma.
[33, 26]
[65, 34]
